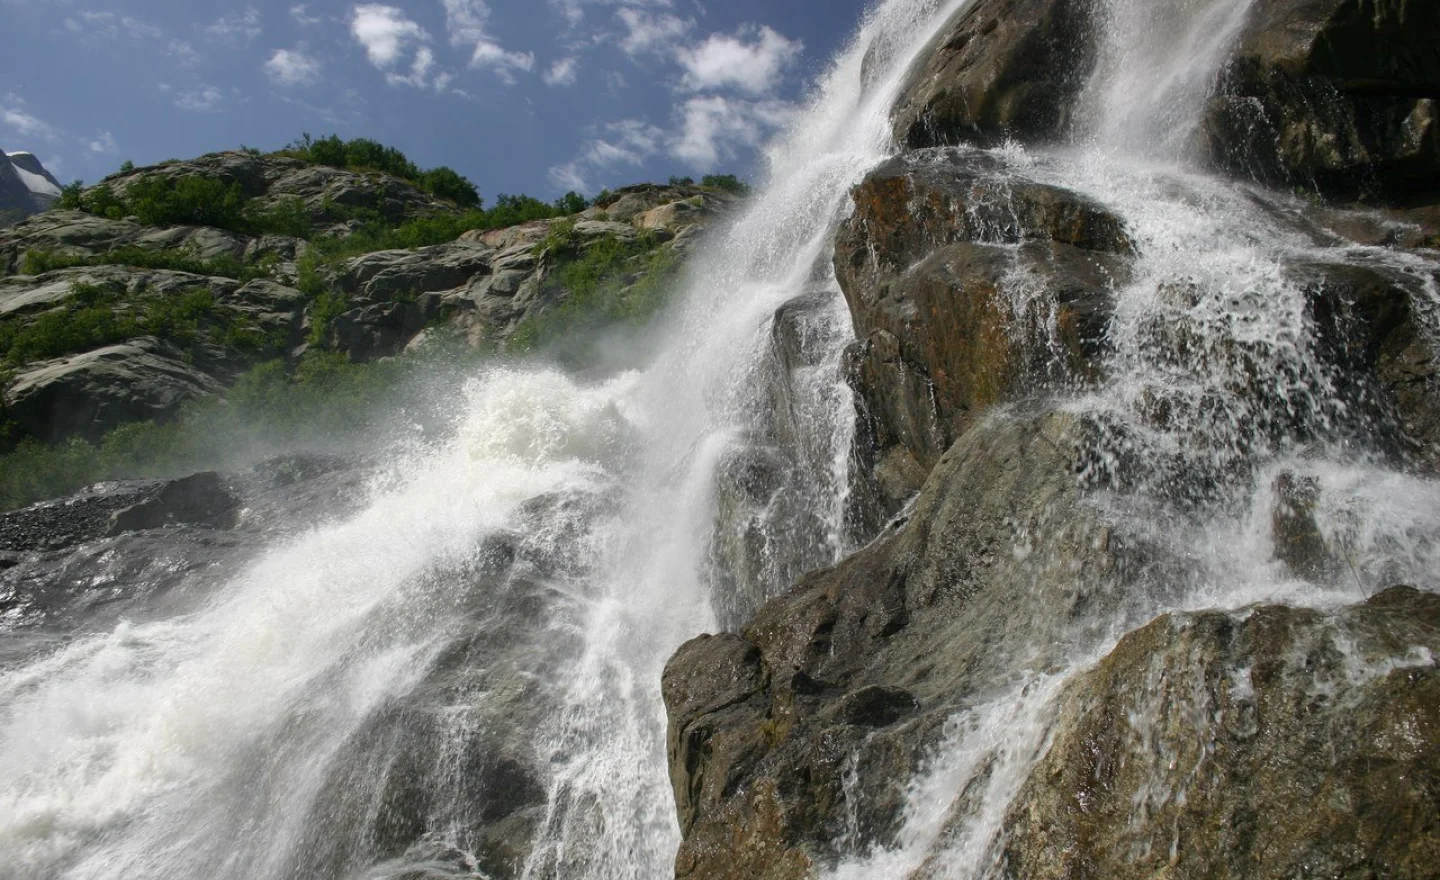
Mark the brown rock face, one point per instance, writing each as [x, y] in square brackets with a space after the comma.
[852, 675]
[1338, 95]
[969, 286]
[1003, 68]
[1281, 743]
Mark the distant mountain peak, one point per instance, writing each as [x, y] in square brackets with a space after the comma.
[26, 186]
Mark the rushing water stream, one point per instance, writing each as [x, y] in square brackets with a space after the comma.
[257, 736]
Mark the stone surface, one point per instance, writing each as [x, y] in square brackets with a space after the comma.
[87, 394]
[1371, 324]
[1277, 742]
[819, 712]
[1335, 95]
[1001, 69]
[969, 285]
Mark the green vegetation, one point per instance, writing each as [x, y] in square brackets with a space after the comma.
[610, 282]
[37, 262]
[95, 316]
[376, 235]
[267, 408]
[363, 154]
[191, 201]
[726, 183]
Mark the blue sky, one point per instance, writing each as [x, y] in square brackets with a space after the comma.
[534, 96]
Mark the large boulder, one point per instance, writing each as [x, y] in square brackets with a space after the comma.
[1338, 95]
[970, 285]
[87, 394]
[804, 729]
[1277, 742]
[1000, 69]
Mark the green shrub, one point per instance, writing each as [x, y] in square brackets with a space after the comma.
[187, 201]
[363, 154]
[726, 183]
[37, 262]
[71, 196]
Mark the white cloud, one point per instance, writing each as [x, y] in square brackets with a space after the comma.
[113, 26]
[183, 53]
[200, 99]
[569, 177]
[465, 21]
[734, 62]
[419, 70]
[237, 28]
[16, 118]
[651, 33]
[292, 67]
[385, 33]
[715, 128]
[562, 73]
[302, 16]
[627, 142]
[104, 143]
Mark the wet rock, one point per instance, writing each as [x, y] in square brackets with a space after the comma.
[201, 499]
[1001, 69]
[969, 286]
[1298, 540]
[1372, 329]
[1334, 95]
[860, 665]
[1190, 750]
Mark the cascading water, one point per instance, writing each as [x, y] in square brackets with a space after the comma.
[1216, 394]
[484, 642]
[480, 649]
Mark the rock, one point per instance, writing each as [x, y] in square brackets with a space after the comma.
[1001, 69]
[775, 515]
[87, 394]
[1370, 325]
[1333, 95]
[1279, 742]
[940, 249]
[859, 666]
[73, 233]
[201, 499]
[1298, 540]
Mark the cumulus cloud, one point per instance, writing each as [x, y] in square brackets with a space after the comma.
[753, 65]
[236, 28]
[384, 32]
[713, 128]
[647, 32]
[465, 21]
[563, 72]
[200, 99]
[569, 177]
[104, 143]
[292, 67]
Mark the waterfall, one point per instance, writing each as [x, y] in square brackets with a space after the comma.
[500, 610]
[479, 649]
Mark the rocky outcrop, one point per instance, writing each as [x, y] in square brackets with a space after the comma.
[969, 286]
[1371, 325]
[87, 394]
[1337, 95]
[331, 196]
[860, 665]
[1191, 748]
[1001, 69]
